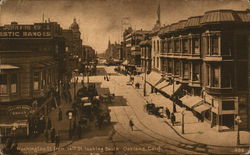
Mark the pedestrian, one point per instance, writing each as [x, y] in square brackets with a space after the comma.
[60, 114]
[167, 113]
[131, 124]
[104, 78]
[52, 135]
[173, 119]
[57, 141]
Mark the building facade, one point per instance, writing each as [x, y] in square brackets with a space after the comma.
[208, 55]
[29, 72]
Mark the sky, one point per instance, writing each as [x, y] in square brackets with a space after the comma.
[101, 20]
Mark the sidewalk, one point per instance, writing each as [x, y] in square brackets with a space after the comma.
[200, 132]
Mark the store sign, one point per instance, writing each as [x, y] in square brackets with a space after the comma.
[25, 31]
[19, 111]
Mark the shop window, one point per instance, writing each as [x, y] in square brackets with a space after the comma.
[13, 83]
[3, 84]
[215, 71]
[196, 72]
[228, 105]
[186, 71]
[177, 68]
[195, 46]
[185, 45]
[177, 46]
[36, 80]
[214, 45]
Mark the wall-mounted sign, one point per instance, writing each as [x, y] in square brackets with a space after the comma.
[19, 111]
[25, 31]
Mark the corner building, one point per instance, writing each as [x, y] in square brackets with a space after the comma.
[209, 56]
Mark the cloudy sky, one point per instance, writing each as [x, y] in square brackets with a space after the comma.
[100, 20]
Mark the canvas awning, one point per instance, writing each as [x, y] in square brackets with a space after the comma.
[153, 78]
[202, 107]
[125, 62]
[7, 66]
[169, 89]
[191, 101]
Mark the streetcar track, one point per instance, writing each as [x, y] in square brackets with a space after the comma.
[159, 140]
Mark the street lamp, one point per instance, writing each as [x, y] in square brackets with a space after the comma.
[238, 121]
[182, 119]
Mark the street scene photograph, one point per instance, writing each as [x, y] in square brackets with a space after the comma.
[124, 77]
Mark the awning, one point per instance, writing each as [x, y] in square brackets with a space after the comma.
[7, 66]
[125, 62]
[162, 85]
[202, 107]
[169, 89]
[87, 104]
[153, 78]
[84, 99]
[191, 101]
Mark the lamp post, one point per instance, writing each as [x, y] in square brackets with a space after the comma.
[174, 106]
[145, 76]
[238, 121]
[182, 119]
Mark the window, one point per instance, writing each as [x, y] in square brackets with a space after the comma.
[170, 50]
[36, 80]
[3, 84]
[13, 83]
[215, 73]
[228, 105]
[158, 46]
[177, 46]
[241, 44]
[242, 76]
[226, 75]
[185, 70]
[185, 45]
[170, 66]
[195, 46]
[208, 75]
[196, 72]
[177, 68]
[214, 45]
[157, 62]
[154, 45]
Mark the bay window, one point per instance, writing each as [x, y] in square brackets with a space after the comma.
[170, 49]
[177, 68]
[3, 84]
[185, 45]
[196, 72]
[186, 70]
[214, 45]
[215, 75]
[177, 46]
[195, 46]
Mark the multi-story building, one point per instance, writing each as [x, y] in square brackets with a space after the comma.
[209, 56]
[132, 41]
[31, 66]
